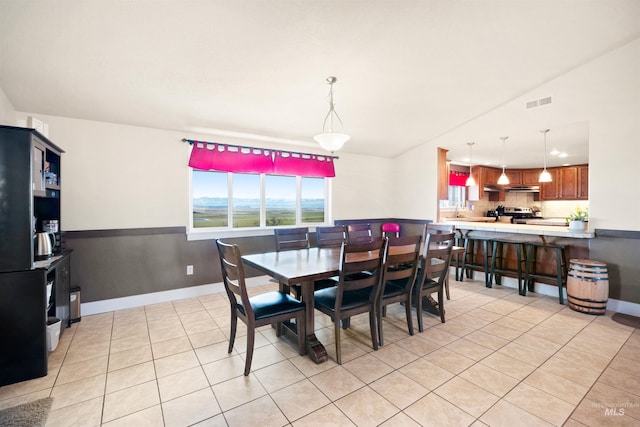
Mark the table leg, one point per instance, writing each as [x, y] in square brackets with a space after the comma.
[314, 347]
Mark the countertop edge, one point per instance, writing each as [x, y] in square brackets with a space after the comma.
[538, 230]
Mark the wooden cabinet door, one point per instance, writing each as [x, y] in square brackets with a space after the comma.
[530, 176]
[583, 182]
[514, 175]
[568, 183]
[550, 190]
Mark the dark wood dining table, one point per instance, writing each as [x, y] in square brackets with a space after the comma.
[304, 267]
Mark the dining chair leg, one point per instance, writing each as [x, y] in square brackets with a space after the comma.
[251, 332]
[372, 328]
[407, 308]
[278, 329]
[234, 327]
[337, 338]
[441, 304]
[419, 311]
[379, 315]
[446, 287]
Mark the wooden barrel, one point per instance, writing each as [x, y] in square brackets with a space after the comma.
[588, 286]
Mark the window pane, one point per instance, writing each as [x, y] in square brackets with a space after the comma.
[280, 200]
[312, 200]
[246, 200]
[210, 199]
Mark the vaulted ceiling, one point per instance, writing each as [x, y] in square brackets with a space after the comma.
[408, 71]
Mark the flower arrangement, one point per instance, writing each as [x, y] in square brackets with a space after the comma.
[579, 214]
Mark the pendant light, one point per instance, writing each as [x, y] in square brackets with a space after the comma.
[504, 179]
[470, 181]
[330, 140]
[545, 176]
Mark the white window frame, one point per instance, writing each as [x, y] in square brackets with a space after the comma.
[263, 230]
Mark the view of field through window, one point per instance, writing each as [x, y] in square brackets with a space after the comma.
[211, 205]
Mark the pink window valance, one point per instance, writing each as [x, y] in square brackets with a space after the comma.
[232, 158]
[312, 165]
[458, 178]
[225, 158]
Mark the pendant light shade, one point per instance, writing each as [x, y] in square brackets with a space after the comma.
[504, 179]
[470, 181]
[329, 139]
[545, 176]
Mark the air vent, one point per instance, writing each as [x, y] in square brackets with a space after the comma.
[539, 102]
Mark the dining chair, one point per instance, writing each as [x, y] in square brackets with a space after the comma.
[291, 238]
[431, 228]
[359, 233]
[434, 269]
[398, 278]
[288, 239]
[355, 292]
[390, 229]
[259, 310]
[330, 236]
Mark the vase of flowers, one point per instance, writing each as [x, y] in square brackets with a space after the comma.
[577, 218]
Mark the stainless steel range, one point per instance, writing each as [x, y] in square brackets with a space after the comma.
[519, 215]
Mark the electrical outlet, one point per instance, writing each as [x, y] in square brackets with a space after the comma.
[189, 270]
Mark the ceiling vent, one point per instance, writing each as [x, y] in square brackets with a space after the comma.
[538, 102]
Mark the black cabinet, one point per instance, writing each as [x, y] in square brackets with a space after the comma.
[30, 167]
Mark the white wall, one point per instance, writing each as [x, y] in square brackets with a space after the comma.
[605, 92]
[118, 176]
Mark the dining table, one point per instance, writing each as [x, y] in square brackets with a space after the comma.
[301, 267]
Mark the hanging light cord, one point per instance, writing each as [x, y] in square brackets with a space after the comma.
[544, 132]
[331, 81]
[504, 140]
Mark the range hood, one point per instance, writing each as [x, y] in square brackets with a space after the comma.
[523, 188]
[491, 188]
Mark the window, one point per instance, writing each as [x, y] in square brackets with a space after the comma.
[257, 200]
[457, 197]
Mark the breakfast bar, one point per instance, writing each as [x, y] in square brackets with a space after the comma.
[547, 250]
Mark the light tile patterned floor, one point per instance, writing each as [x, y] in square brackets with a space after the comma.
[501, 359]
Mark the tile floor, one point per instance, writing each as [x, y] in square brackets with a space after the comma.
[500, 360]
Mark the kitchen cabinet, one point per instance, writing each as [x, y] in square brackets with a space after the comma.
[30, 177]
[514, 175]
[531, 176]
[568, 183]
[583, 182]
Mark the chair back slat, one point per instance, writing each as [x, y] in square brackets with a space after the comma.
[291, 238]
[359, 233]
[332, 236]
[437, 256]
[402, 260]
[361, 265]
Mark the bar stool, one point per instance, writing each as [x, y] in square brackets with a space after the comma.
[559, 278]
[469, 262]
[498, 267]
[390, 228]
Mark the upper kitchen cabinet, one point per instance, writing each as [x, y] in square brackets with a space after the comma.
[514, 175]
[443, 174]
[567, 184]
[30, 173]
[531, 176]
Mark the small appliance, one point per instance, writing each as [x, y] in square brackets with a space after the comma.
[43, 244]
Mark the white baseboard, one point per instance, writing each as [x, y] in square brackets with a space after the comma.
[97, 307]
[625, 307]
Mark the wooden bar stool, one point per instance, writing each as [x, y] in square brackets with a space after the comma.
[469, 262]
[559, 277]
[498, 267]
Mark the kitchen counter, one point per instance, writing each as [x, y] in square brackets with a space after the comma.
[536, 230]
[472, 219]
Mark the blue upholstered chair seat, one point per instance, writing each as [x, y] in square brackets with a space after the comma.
[350, 299]
[271, 303]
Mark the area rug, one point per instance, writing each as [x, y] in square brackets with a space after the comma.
[627, 320]
[30, 414]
